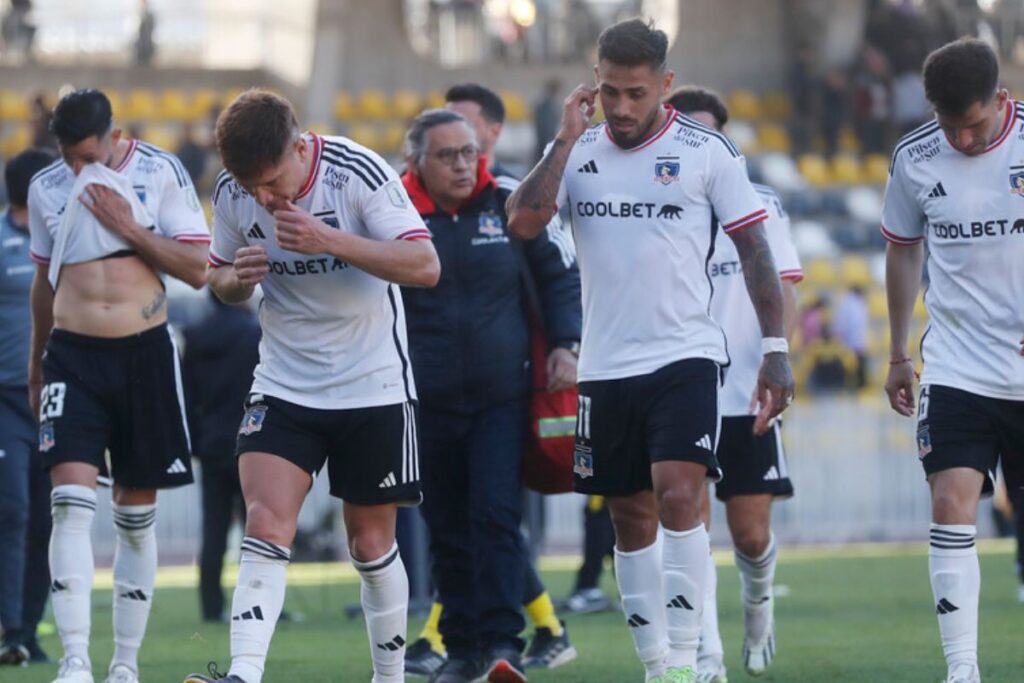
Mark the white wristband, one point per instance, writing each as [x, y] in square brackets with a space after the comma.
[774, 345]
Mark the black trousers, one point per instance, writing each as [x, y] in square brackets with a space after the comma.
[598, 541]
[222, 496]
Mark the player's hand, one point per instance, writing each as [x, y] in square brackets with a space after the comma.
[111, 209]
[300, 231]
[561, 369]
[251, 265]
[579, 108]
[775, 389]
[899, 385]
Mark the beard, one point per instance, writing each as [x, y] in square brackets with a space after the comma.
[642, 131]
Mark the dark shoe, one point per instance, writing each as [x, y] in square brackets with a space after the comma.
[587, 601]
[421, 658]
[547, 651]
[506, 667]
[213, 677]
[458, 671]
[36, 654]
[14, 654]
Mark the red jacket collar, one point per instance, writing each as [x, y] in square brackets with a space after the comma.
[425, 205]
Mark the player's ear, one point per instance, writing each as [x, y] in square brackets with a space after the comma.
[666, 82]
[597, 77]
[1001, 96]
[115, 135]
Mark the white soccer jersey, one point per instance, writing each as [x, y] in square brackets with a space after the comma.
[159, 181]
[333, 335]
[642, 222]
[970, 210]
[732, 308]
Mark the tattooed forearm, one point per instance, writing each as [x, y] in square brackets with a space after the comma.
[154, 306]
[762, 279]
[532, 205]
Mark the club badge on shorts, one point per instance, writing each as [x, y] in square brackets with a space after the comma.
[252, 421]
[924, 443]
[46, 440]
[583, 462]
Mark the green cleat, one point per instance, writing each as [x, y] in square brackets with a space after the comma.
[680, 674]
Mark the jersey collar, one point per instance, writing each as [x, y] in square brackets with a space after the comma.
[314, 168]
[421, 198]
[670, 116]
[133, 144]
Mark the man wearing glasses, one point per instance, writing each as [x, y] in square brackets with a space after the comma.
[469, 347]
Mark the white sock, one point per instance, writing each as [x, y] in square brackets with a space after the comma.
[134, 578]
[638, 574]
[71, 565]
[385, 598]
[710, 639]
[256, 606]
[685, 564]
[757, 573]
[956, 585]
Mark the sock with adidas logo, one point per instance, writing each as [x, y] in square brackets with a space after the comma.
[757, 573]
[638, 574]
[385, 598]
[256, 605]
[71, 566]
[685, 565]
[956, 585]
[134, 578]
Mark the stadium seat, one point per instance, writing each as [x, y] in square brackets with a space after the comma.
[434, 100]
[344, 108]
[322, 128]
[203, 102]
[745, 137]
[920, 312]
[365, 134]
[392, 139]
[815, 170]
[744, 105]
[16, 141]
[878, 305]
[13, 106]
[141, 105]
[773, 137]
[820, 273]
[846, 170]
[175, 105]
[876, 169]
[854, 270]
[848, 141]
[372, 105]
[406, 104]
[776, 105]
[164, 136]
[117, 106]
[230, 95]
[516, 108]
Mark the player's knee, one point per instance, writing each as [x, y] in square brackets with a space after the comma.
[678, 508]
[751, 541]
[368, 544]
[635, 526]
[264, 523]
[950, 506]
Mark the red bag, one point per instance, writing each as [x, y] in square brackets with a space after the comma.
[547, 457]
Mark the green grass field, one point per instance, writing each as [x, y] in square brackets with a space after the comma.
[857, 615]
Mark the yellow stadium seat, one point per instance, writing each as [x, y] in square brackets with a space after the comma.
[117, 106]
[772, 137]
[344, 107]
[230, 95]
[876, 169]
[821, 272]
[919, 310]
[744, 104]
[878, 305]
[162, 135]
[175, 106]
[203, 102]
[16, 141]
[392, 139]
[846, 170]
[322, 128]
[141, 105]
[365, 134]
[434, 100]
[406, 104]
[776, 105]
[815, 170]
[372, 105]
[855, 271]
[14, 106]
[848, 141]
[516, 108]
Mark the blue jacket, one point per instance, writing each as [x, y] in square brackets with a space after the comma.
[468, 336]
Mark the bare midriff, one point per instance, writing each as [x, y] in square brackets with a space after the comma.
[113, 297]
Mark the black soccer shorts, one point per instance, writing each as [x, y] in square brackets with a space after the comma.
[751, 464]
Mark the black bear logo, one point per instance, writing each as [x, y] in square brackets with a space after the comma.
[670, 211]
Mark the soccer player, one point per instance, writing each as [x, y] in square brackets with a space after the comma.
[957, 185]
[24, 486]
[641, 189]
[326, 228]
[753, 466]
[106, 221]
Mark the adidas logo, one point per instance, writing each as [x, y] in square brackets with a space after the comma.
[177, 467]
[589, 167]
[636, 621]
[57, 586]
[704, 442]
[135, 595]
[680, 602]
[937, 191]
[945, 607]
[256, 232]
[255, 613]
[395, 643]
[388, 482]
[772, 474]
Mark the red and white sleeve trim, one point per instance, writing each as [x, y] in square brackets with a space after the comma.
[216, 261]
[193, 237]
[416, 234]
[39, 258]
[796, 274]
[745, 222]
[899, 239]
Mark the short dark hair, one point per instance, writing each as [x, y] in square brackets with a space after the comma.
[491, 106]
[253, 132]
[690, 98]
[79, 115]
[633, 42]
[959, 74]
[20, 169]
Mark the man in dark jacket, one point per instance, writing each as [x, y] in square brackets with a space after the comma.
[469, 343]
[221, 351]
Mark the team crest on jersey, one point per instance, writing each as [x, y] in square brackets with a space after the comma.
[1017, 181]
[46, 438]
[924, 443]
[666, 172]
[140, 192]
[252, 422]
[583, 462]
[490, 224]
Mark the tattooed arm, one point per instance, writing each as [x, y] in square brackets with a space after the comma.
[532, 205]
[775, 379]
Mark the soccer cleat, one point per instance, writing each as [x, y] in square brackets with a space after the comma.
[36, 654]
[758, 636]
[548, 651]
[421, 658]
[73, 670]
[587, 601]
[122, 673]
[459, 671]
[966, 672]
[680, 674]
[506, 667]
[214, 676]
[711, 670]
[14, 654]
